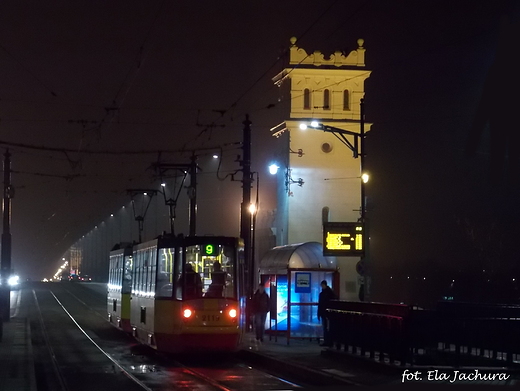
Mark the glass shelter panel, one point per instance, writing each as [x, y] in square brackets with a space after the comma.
[303, 293]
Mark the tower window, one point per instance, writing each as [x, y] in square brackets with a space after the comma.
[326, 100]
[346, 100]
[307, 99]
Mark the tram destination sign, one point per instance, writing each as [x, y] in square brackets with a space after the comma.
[343, 239]
[210, 249]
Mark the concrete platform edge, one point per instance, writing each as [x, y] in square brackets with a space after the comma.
[305, 374]
[30, 359]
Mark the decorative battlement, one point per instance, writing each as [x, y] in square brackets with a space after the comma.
[299, 56]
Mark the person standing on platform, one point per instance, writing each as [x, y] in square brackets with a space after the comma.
[326, 295]
[261, 304]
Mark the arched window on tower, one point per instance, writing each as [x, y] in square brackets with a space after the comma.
[346, 100]
[307, 99]
[326, 100]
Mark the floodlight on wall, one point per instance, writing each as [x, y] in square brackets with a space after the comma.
[273, 169]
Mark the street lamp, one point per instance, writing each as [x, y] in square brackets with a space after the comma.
[356, 143]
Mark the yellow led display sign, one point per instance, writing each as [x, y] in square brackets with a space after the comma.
[343, 239]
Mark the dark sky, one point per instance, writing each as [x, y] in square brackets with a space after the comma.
[82, 76]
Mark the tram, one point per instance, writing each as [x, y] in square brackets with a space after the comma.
[185, 293]
[119, 286]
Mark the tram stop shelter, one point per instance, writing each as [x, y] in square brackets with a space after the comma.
[292, 275]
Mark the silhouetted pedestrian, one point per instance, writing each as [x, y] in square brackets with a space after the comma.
[218, 281]
[326, 295]
[192, 283]
[260, 303]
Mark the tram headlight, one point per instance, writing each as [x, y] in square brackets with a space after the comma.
[233, 313]
[187, 313]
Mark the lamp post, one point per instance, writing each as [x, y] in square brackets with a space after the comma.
[5, 292]
[357, 146]
[253, 209]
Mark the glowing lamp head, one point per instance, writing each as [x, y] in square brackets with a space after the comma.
[365, 177]
[303, 126]
[13, 280]
[273, 169]
[314, 124]
[233, 313]
[252, 209]
[187, 313]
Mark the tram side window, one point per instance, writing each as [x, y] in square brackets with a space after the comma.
[134, 275]
[127, 274]
[153, 269]
[115, 283]
[146, 273]
[165, 272]
[116, 274]
[139, 273]
[111, 273]
[119, 274]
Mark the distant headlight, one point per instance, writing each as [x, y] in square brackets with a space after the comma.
[13, 280]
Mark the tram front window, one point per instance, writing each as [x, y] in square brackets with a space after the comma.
[216, 265]
[191, 282]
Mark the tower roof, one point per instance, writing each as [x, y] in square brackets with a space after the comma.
[299, 56]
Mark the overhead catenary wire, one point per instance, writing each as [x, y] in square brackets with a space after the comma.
[306, 31]
[29, 71]
[266, 72]
[109, 152]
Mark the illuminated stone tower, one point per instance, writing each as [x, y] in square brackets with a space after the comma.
[319, 178]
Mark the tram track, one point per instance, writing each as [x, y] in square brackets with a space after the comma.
[48, 347]
[158, 372]
[177, 363]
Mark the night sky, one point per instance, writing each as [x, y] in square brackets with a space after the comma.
[81, 77]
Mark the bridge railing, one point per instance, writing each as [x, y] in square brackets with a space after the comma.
[398, 332]
[479, 329]
[371, 327]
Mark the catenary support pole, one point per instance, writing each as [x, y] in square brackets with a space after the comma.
[5, 292]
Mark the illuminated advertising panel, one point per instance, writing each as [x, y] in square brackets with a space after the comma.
[343, 239]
